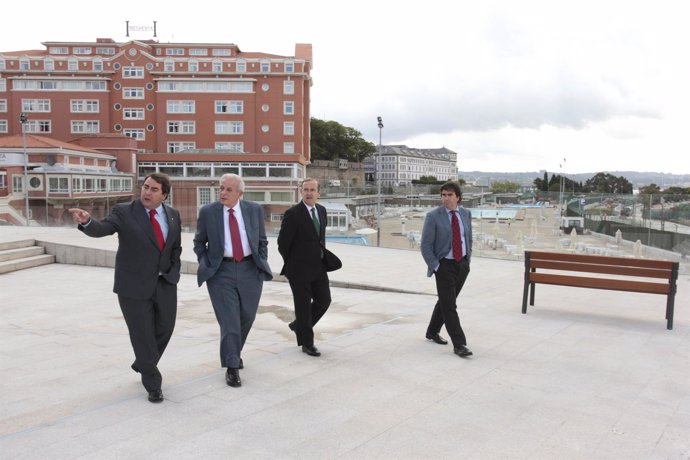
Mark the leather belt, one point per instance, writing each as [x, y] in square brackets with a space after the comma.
[232, 259]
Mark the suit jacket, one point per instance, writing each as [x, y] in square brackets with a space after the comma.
[437, 236]
[139, 260]
[299, 243]
[209, 240]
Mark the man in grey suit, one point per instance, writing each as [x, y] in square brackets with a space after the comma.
[447, 250]
[232, 249]
[147, 269]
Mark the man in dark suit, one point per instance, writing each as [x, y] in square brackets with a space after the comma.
[447, 250]
[232, 249]
[301, 241]
[147, 269]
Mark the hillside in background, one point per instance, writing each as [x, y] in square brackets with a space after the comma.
[638, 179]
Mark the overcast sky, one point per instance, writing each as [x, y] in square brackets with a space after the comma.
[525, 85]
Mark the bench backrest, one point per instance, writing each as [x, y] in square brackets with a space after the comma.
[647, 268]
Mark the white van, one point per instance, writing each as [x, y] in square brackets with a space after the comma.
[333, 183]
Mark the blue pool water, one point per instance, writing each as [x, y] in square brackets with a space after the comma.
[348, 239]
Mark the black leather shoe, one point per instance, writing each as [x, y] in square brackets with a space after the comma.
[462, 351]
[292, 326]
[135, 368]
[232, 378]
[311, 351]
[437, 338]
[241, 364]
[156, 396]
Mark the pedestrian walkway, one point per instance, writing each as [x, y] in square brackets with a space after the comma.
[585, 374]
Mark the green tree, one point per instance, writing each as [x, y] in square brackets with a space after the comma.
[331, 141]
[504, 187]
[651, 189]
[542, 184]
[608, 183]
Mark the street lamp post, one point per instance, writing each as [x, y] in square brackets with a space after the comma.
[23, 119]
[378, 181]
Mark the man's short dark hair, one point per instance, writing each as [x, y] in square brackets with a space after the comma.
[162, 179]
[452, 186]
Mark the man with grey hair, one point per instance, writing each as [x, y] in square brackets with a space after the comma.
[232, 249]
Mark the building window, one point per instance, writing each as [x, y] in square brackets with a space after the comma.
[198, 52]
[49, 65]
[181, 127]
[72, 65]
[288, 147]
[265, 128]
[36, 105]
[229, 127]
[38, 126]
[289, 128]
[2, 64]
[281, 197]
[133, 93]
[106, 51]
[181, 106]
[3, 105]
[193, 66]
[81, 50]
[288, 87]
[236, 147]
[206, 195]
[265, 66]
[17, 184]
[229, 106]
[24, 64]
[241, 66]
[133, 114]
[132, 72]
[255, 196]
[169, 65]
[222, 52]
[3, 126]
[138, 134]
[217, 66]
[58, 185]
[97, 65]
[289, 67]
[84, 106]
[85, 126]
[174, 147]
[174, 51]
[288, 108]
[58, 50]
[3, 84]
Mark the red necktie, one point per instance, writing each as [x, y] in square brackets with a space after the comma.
[235, 239]
[157, 229]
[457, 241]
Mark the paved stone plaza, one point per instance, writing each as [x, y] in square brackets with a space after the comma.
[585, 374]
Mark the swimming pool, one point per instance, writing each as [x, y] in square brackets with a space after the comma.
[348, 239]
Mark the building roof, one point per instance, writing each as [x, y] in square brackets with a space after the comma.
[435, 154]
[41, 142]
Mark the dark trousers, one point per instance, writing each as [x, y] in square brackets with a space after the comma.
[150, 323]
[450, 277]
[311, 298]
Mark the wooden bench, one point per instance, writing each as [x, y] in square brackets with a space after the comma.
[622, 274]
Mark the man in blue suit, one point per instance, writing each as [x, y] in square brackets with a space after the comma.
[232, 249]
[147, 270]
[447, 250]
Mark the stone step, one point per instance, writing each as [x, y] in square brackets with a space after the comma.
[20, 253]
[27, 262]
[16, 244]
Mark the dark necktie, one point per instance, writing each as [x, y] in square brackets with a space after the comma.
[315, 221]
[457, 241]
[157, 229]
[235, 239]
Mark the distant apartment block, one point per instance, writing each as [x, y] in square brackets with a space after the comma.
[401, 165]
[195, 110]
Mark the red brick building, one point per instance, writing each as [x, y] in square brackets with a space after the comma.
[195, 110]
